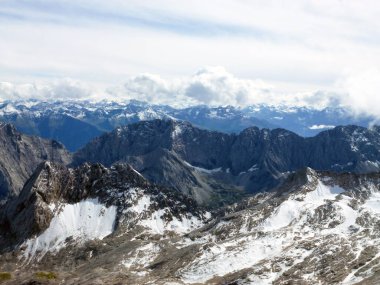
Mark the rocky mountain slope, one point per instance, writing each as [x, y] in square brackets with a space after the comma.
[204, 164]
[19, 156]
[74, 123]
[315, 228]
[63, 218]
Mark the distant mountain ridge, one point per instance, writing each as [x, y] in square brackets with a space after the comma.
[74, 123]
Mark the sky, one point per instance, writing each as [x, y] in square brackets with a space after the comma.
[216, 52]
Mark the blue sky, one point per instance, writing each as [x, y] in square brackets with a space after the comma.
[291, 47]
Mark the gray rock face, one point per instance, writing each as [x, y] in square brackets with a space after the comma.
[20, 155]
[164, 151]
[254, 160]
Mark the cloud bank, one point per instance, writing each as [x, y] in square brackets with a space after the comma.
[212, 86]
[360, 92]
[215, 86]
[64, 89]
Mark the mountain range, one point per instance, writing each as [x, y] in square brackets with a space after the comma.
[75, 123]
[163, 201]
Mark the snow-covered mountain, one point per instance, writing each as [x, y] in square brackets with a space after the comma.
[74, 123]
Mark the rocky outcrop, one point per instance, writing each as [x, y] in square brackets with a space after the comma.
[20, 155]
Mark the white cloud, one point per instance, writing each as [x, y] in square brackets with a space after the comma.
[212, 86]
[295, 53]
[209, 85]
[65, 89]
[217, 87]
[321, 127]
[360, 92]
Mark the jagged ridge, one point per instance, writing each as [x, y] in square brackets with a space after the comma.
[254, 160]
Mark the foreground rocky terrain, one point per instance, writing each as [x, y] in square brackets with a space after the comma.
[61, 211]
[97, 225]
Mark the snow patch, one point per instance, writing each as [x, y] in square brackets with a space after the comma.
[156, 221]
[219, 261]
[204, 170]
[142, 205]
[9, 109]
[275, 240]
[86, 220]
[158, 225]
[253, 168]
[373, 203]
[292, 209]
[177, 131]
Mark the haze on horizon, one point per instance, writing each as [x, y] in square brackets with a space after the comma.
[297, 53]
